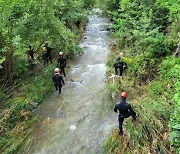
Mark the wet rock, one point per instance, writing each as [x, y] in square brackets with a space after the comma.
[105, 29]
[177, 53]
[74, 79]
[72, 127]
[1, 129]
[34, 110]
[34, 104]
[59, 113]
[25, 114]
[16, 94]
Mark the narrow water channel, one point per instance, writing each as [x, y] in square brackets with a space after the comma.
[77, 121]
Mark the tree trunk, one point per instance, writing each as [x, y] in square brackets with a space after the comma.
[8, 66]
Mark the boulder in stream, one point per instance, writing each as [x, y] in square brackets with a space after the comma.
[74, 79]
[72, 127]
[34, 104]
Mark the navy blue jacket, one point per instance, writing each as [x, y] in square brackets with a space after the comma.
[58, 80]
[61, 62]
[124, 108]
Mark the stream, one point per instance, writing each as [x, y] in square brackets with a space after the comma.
[77, 120]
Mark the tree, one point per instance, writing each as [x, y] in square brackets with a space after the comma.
[32, 22]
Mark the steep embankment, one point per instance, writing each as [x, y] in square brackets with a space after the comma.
[150, 132]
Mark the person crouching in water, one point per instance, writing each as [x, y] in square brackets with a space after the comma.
[58, 80]
[125, 111]
[62, 63]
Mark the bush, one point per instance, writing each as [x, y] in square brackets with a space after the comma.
[170, 68]
[175, 120]
[156, 89]
[142, 66]
[22, 66]
[89, 3]
[17, 119]
[139, 28]
[158, 47]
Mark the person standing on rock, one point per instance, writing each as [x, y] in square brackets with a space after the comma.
[62, 63]
[58, 80]
[125, 111]
[120, 65]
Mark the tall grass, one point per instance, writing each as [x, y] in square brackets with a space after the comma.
[17, 119]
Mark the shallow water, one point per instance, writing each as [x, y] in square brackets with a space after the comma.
[77, 121]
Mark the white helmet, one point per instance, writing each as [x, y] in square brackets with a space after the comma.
[121, 54]
[56, 70]
[60, 53]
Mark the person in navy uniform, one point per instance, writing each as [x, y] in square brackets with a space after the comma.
[58, 80]
[119, 65]
[62, 63]
[125, 111]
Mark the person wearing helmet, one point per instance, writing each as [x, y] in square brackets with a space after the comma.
[125, 111]
[120, 65]
[58, 80]
[44, 56]
[48, 54]
[62, 63]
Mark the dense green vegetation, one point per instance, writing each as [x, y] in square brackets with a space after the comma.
[17, 118]
[148, 33]
[24, 83]
[31, 23]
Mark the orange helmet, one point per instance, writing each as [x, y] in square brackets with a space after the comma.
[124, 95]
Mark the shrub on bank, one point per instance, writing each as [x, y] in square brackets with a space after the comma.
[17, 119]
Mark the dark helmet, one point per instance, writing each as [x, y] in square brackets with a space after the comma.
[124, 95]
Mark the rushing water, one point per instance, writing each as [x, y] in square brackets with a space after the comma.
[77, 121]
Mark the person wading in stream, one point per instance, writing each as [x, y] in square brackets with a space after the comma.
[120, 65]
[58, 80]
[62, 63]
[125, 111]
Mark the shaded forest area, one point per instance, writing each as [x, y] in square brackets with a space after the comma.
[24, 83]
[148, 32]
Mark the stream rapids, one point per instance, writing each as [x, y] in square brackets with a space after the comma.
[77, 121]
